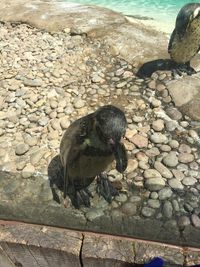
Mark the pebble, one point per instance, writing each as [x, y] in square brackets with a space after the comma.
[154, 203]
[167, 209]
[195, 220]
[175, 184]
[28, 171]
[139, 140]
[183, 148]
[79, 103]
[185, 157]
[129, 209]
[94, 213]
[183, 221]
[165, 193]
[170, 125]
[158, 138]
[179, 175]
[132, 165]
[21, 149]
[154, 195]
[174, 114]
[165, 148]
[121, 198]
[155, 184]
[64, 122]
[158, 125]
[153, 152]
[163, 170]
[171, 160]
[147, 212]
[32, 83]
[188, 181]
[152, 173]
[173, 144]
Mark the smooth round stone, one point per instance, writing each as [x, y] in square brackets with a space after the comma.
[165, 148]
[183, 221]
[53, 104]
[64, 122]
[129, 208]
[31, 141]
[152, 84]
[43, 121]
[154, 203]
[153, 152]
[178, 174]
[155, 184]
[167, 210]
[163, 170]
[158, 125]
[183, 148]
[173, 144]
[173, 113]
[154, 195]
[185, 157]
[79, 103]
[158, 138]
[94, 213]
[141, 156]
[114, 175]
[134, 199]
[152, 173]
[55, 123]
[21, 149]
[28, 171]
[188, 207]
[184, 124]
[170, 125]
[171, 160]
[189, 181]
[194, 166]
[132, 165]
[139, 140]
[143, 165]
[175, 205]
[121, 198]
[147, 212]
[182, 167]
[175, 184]
[195, 220]
[165, 193]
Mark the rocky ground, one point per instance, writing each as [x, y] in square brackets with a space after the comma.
[49, 80]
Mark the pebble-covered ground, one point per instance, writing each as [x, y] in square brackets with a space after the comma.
[49, 80]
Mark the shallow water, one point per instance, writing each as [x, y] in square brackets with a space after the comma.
[162, 11]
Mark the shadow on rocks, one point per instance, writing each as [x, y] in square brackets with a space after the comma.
[150, 67]
[55, 174]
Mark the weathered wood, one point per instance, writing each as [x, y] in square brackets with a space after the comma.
[4, 260]
[36, 246]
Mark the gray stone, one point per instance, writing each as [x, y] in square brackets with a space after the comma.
[65, 122]
[153, 152]
[121, 197]
[170, 125]
[173, 113]
[167, 209]
[173, 143]
[175, 184]
[94, 213]
[171, 159]
[195, 220]
[189, 181]
[165, 193]
[183, 221]
[21, 149]
[32, 83]
[129, 209]
[158, 138]
[154, 195]
[147, 212]
[154, 203]
[178, 174]
[155, 184]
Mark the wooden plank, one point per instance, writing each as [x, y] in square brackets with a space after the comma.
[4, 260]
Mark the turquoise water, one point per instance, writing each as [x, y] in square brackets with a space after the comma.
[163, 11]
